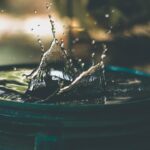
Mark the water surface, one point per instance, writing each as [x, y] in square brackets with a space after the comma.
[120, 88]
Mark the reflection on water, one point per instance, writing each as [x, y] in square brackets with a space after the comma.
[120, 88]
[13, 84]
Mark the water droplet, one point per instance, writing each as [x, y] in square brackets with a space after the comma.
[38, 25]
[82, 65]
[107, 15]
[112, 81]
[139, 89]
[62, 45]
[103, 56]
[102, 66]
[79, 60]
[52, 26]
[104, 46]
[113, 10]
[93, 42]
[32, 29]
[39, 40]
[35, 11]
[105, 50]
[77, 39]
[70, 60]
[93, 54]
[102, 63]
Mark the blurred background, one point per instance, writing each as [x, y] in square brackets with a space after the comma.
[84, 25]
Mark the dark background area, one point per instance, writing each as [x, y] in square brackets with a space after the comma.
[123, 25]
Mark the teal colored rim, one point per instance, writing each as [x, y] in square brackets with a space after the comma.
[127, 70]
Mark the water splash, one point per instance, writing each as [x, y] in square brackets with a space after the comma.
[39, 40]
[53, 30]
[103, 56]
[76, 73]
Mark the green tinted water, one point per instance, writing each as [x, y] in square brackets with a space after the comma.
[13, 84]
[121, 87]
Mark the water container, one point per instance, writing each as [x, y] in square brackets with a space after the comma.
[29, 126]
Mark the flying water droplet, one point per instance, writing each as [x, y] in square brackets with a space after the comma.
[93, 55]
[93, 42]
[93, 60]
[70, 60]
[139, 89]
[40, 43]
[79, 60]
[39, 40]
[75, 40]
[52, 26]
[82, 65]
[35, 11]
[105, 49]
[107, 15]
[103, 56]
[113, 81]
